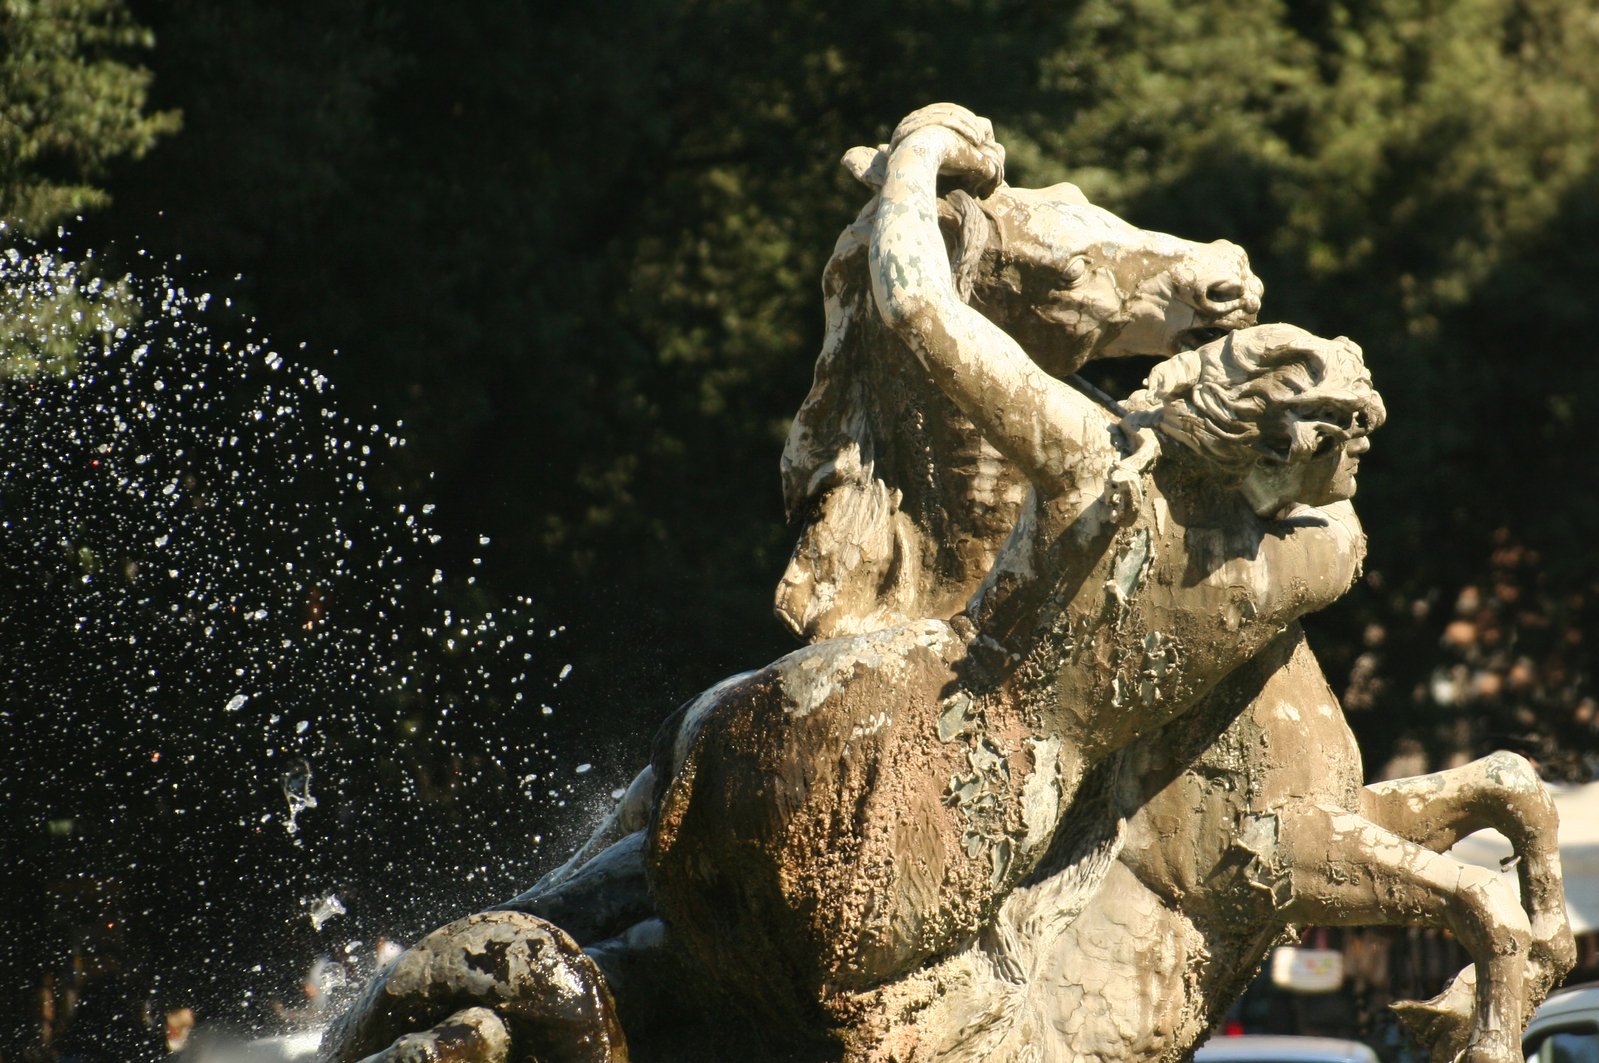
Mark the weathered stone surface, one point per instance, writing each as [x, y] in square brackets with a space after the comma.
[474, 1035]
[1036, 791]
[547, 993]
[1180, 859]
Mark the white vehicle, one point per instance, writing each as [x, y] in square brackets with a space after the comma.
[298, 1047]
[1565, 1029]
[1282, 1048]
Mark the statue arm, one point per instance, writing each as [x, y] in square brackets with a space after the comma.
[1038, 422]
[1318, 560]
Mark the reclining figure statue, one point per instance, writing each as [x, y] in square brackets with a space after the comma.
[1060, 823]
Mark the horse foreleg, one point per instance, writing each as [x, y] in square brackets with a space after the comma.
[1331, 867]
[545, 991]
[606, 895]
[1503, 792]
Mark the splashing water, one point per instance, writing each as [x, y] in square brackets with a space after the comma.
[212, 588]
[325, 908]
[297, 789]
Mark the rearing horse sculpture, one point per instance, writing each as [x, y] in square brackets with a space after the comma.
[1002, 995]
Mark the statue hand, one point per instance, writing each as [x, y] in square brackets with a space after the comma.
[1124, 484]
[1124, 493]
[971, 155]
[867, 165]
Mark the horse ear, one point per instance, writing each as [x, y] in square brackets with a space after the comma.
[869, 166]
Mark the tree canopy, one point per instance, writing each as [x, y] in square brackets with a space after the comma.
[578, 256]
[72, 102]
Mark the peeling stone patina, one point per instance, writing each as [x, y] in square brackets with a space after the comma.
[1030, 792]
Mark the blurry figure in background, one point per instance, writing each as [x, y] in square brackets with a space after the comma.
[325, 976]
[180, 1025]
[316, 994]
[48, 1014]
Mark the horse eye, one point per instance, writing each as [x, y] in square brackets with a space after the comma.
[1075, 270]
[1325, 446]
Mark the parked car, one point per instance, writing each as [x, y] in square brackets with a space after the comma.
[1565, 1029]
[1283, 1048]
[298, 1047]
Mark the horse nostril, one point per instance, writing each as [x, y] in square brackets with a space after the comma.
[1228, 291]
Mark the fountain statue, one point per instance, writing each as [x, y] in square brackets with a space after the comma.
[1030, 790]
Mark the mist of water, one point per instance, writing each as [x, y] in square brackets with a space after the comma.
[216, 593]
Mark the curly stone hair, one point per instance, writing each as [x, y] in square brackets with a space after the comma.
[1271, 393]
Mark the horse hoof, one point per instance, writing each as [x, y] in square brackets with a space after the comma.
[510, 972]
[1443, 1024]
[1494, 1054]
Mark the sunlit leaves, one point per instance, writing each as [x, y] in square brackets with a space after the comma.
[72, 100]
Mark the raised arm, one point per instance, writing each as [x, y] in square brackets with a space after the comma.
[1040, 423]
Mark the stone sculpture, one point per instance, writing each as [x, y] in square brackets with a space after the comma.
[888, 533]
[1051, 820]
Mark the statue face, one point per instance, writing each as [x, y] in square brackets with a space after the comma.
[1321, 481]
[1073, 282]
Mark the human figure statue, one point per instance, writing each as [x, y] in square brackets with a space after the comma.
[888, 533]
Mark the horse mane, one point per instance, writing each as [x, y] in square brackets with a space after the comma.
[832, 435]
[840, 416]
[875, 426]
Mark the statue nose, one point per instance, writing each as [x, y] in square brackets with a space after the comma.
[1226, 291]
[1223, 295]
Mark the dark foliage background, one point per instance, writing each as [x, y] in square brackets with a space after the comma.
[576, 251]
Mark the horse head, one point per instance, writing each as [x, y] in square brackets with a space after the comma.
[1072, 282]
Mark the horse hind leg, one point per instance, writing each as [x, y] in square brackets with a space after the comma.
[1331, 867]
[1503, 792]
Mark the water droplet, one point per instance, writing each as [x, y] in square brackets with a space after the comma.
[324, 908]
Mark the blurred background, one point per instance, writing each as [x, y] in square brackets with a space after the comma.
[558, 269]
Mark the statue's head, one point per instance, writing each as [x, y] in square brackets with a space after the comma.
[1283, 412]
[1072, 282]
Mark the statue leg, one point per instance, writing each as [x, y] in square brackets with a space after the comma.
[631, 814]
[637, 804]
[1331, 867]
[603, 897]
[1503, 792]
